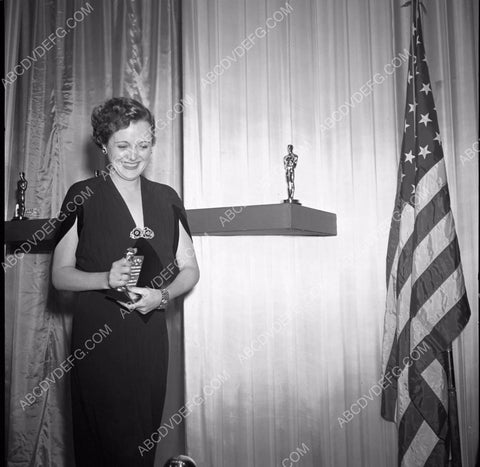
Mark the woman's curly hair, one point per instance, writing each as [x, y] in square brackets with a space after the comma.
[116, 114]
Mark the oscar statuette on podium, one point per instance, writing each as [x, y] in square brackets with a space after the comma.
[290, 163]
[22, 185]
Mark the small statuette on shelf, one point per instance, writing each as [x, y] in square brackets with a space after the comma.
[290, 163]
[22, 185]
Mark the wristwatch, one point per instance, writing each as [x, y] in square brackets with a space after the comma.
[165, 299]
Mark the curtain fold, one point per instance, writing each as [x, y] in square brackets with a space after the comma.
[101, 49]
[288, 330]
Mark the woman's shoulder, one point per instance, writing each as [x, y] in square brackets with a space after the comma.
[163, 190]
[87, 183]
[85, 187]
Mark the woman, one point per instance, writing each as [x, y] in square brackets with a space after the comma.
[120, 351]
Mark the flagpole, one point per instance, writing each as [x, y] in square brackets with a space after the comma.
[453, 428]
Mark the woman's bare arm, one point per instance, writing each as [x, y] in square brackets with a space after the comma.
[187, 262]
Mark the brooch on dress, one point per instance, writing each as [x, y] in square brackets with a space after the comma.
[138, 232]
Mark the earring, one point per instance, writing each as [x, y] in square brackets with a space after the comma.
[104, 150]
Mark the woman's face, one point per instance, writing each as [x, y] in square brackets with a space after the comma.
[130, 150]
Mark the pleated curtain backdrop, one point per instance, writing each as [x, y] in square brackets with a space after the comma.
[103, 49]
[284, 334]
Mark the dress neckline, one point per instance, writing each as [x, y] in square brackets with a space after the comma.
[119, 196]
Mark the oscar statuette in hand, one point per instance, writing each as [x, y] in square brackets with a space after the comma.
[135, 268]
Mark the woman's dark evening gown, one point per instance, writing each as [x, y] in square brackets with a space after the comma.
[119, 374]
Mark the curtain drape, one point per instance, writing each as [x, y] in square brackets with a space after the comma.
[283, 334]
[68, 56]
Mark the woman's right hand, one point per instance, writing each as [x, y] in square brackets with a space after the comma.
[119, 273]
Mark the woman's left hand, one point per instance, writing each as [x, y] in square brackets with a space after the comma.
[150, 299]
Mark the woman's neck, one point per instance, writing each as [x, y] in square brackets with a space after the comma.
[125, 185]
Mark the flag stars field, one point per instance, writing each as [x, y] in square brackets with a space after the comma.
[424, 151]
[425, 119]
[426, 88]
[409, 157]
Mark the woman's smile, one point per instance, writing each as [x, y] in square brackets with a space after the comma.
[131, 165]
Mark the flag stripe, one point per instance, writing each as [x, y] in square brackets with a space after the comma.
[430, 184]
[437, 239]
[431, 341]
[426, 399]
[404, 400]
[426, 219]
[402, 342]
[394, 237]
[405, 262]
[436, 274]
[435, 376]
[431, 213]
[404, 268]
[444, 332]
[421, 447]
[437, 306]
[439, 455]
[408, 427]
[427, 402]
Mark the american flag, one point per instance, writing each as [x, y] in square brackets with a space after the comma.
[427, 306]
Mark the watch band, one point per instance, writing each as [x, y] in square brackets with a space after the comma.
[165, 298]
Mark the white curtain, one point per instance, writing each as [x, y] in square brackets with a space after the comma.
[283, 334]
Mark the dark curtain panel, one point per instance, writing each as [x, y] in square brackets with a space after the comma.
[63, 58]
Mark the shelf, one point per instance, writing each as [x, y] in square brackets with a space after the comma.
[261, 219]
